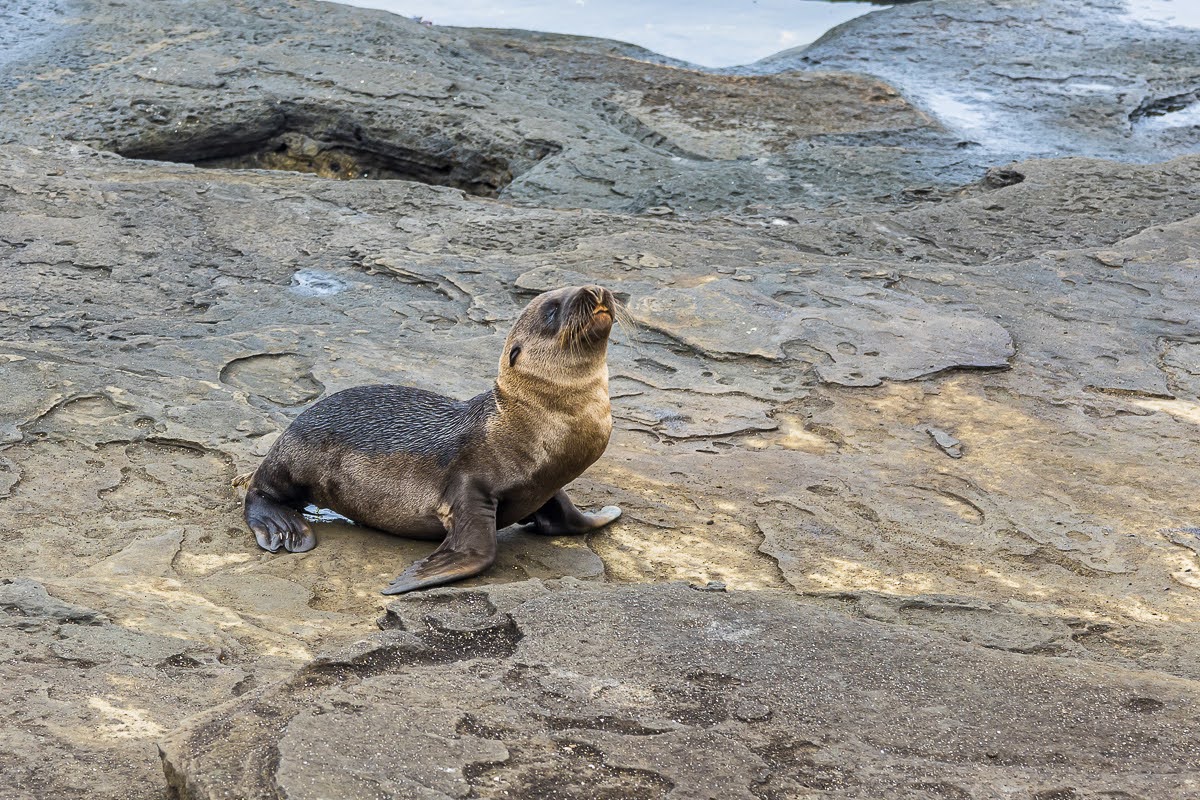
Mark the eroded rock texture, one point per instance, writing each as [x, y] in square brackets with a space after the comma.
[665, 691]
[928, 413]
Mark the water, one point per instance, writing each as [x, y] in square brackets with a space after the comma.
[314, 513]
[1167, 13]
[711, 33]
[314, 283]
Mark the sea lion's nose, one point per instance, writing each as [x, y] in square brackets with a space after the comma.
[598, 296]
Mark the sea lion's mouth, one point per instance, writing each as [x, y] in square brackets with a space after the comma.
[589, 316]
[594, 326]
[602, 316]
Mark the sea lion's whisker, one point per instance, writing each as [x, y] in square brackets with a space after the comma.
[623, 319]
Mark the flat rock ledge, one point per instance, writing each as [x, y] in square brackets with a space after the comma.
[563, 689]
[915, 374]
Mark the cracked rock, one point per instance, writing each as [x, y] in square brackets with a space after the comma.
[739, 694]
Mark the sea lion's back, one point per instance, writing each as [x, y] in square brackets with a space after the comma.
[380, 420]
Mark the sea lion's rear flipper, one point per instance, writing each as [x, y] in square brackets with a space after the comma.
[468, 549]
[276, 525]
[560, 517]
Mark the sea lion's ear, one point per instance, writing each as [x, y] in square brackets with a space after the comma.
[513, 352]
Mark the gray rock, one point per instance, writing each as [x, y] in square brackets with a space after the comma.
[1043, 91]
[822, 266]
[661, 691]
[947, 443]
[569, 122]
[26, 604]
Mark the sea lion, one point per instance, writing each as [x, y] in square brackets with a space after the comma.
[418, 464]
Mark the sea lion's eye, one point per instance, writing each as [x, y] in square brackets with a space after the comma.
[513, 353]
[551, 313]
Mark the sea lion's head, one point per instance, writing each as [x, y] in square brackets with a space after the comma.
[561, 336]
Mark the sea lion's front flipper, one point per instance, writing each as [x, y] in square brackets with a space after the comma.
[560, 517]
[468, 549]
[276, 525]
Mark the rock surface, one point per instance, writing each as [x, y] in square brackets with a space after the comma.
[929, 414]
[1075, 80]
[569, 690]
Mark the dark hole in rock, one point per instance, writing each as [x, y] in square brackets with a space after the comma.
[328, 144]
[1144, 704]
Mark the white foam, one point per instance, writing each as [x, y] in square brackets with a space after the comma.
[1186, 117]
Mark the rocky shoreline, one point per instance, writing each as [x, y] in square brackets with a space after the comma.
[906, 428]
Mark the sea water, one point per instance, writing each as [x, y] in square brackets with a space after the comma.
[710, 33]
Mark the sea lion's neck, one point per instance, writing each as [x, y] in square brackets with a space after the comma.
[557, 393]
[561, 426]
